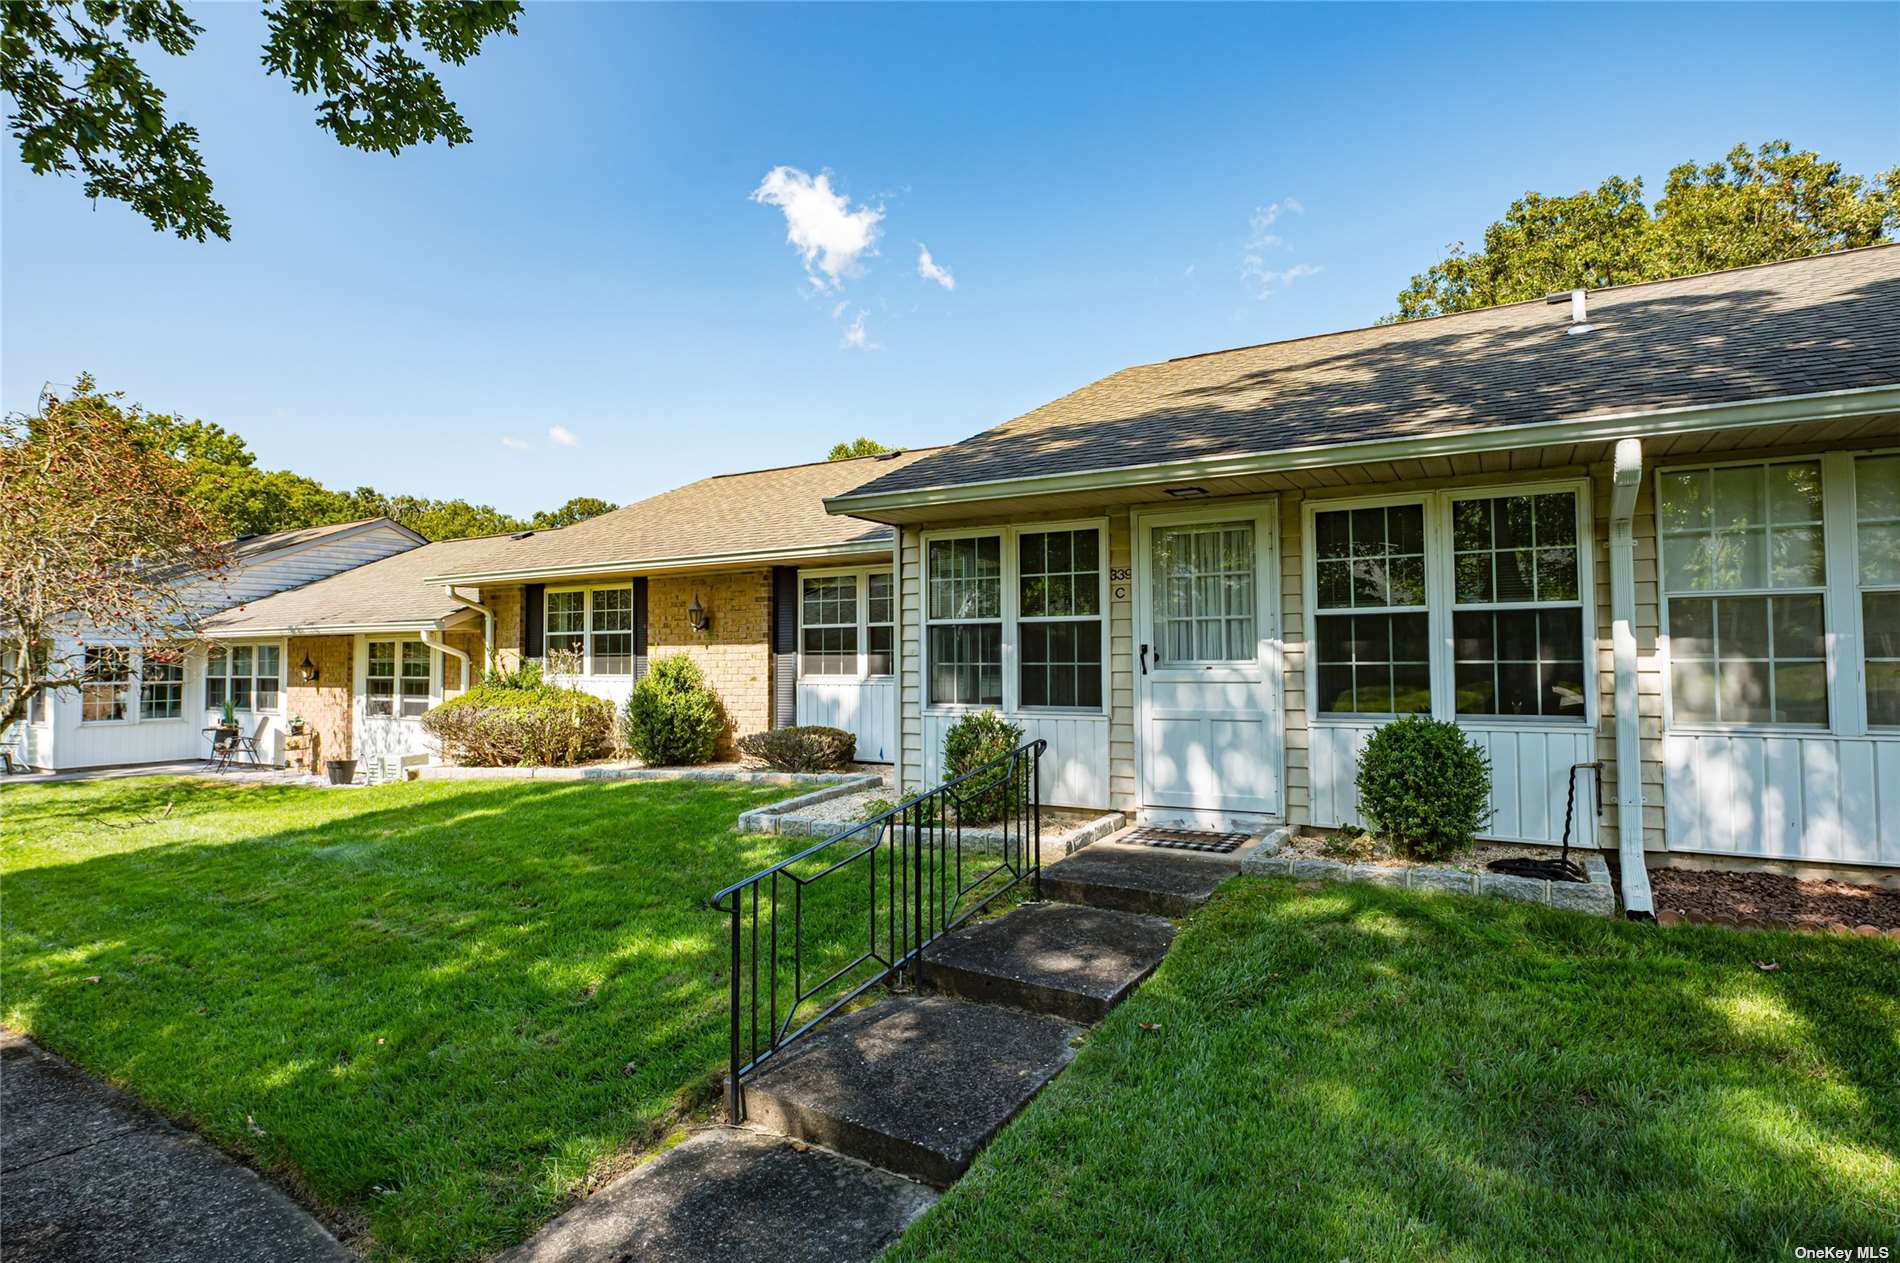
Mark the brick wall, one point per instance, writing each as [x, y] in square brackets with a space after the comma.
[506, 602]
[469, 643]
[325, 704]
[736, 654]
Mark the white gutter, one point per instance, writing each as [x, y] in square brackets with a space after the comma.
[1826, 406]
[772, 556]
[318, 629]
[488, 621]
[1626, 478]
[434, 640]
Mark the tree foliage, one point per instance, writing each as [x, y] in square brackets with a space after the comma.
[860, 446]
[101, 532]
[1759, 207]
[84, 105]
[579, 509]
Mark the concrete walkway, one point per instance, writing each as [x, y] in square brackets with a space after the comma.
[175, 767]
[91, 1175]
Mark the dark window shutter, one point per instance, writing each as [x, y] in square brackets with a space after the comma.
[784, 646]
[639, 628]
[532, 611]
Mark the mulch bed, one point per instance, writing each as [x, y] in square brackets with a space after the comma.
[1772, 900]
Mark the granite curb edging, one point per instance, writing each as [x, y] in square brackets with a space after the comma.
[614, 773]
[773, 817]
[1670, 917]
[981, 838]
[1596, 897]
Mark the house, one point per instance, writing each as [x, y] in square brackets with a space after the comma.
[786, 608]
[1654, 528]
[149, 704]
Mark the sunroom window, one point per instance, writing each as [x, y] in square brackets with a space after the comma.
[1059, 618]
[161, 683]
[880, 619]
[1877, 528]
[565, 633]
[964, 613]
[247, 676]
[1517, 606]
[106, 694]
[610, 634]
[828, 619]
[1371, 630]
[1744, 580]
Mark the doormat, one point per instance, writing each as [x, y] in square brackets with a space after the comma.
[1187, 840]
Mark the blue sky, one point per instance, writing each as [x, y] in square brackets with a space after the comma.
[1094, 180]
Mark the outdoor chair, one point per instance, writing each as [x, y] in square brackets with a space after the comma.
[247, 747]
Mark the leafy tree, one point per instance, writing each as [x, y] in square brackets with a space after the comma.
[579, 509]
[1763, 207]
[101, 531]
[859, 446]
[83, 104]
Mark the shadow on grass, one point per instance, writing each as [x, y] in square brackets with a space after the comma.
[437, 1011]
[1349, 1072]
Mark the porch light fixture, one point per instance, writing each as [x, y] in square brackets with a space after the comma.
[1186, 493]
[697, 616]
[308, 670]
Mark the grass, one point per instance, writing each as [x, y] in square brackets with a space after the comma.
[436, 1011]
[1348, 1072]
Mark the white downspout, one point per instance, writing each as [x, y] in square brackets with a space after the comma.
[433, 639]
[488, 623]
[1626, 480]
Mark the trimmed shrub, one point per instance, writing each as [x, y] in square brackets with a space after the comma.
[969, 743]
[1425, 786]
[802, 748]
[516, 720]
[673, 718]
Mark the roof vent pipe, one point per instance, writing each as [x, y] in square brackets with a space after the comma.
[1579, 309]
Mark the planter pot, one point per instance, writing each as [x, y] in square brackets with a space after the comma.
[341, 771]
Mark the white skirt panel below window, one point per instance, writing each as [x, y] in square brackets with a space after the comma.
[1074, 768]
[1783, 796]
[865, 708]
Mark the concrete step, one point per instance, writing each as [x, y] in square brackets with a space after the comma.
[728, 1193]
[1060, 959]
[1130, 878]
[913, 1084]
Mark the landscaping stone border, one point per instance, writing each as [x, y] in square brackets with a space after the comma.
[1670, 917]
[974, 837]
[1596, 897]
[622, 772]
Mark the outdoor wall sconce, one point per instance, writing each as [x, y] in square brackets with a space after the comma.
[308, 670]
[697, 616]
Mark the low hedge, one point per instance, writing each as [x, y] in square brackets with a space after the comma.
[969, 743]
[1425, 786]
[520, 720]
[801, 748]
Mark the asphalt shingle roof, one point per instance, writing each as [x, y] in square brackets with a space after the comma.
[386, 593]
[1806, 326]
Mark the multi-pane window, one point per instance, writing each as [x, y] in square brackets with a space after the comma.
[964, 612]
[1203, 584]
[1370, 626]
[828, 618]
[1744, 577]
[564, 633]
[611, 631]
[1877, 528]
[107, 691]
[161, 682]
[1059, 617]
[880, 619]
[397, 679]
[1517, 620]
[249, 677]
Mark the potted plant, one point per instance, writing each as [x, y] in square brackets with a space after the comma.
[340, 771]
[227, 716]
[296, 725]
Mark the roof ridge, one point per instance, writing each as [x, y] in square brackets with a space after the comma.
[807, 464]
[1521, 302]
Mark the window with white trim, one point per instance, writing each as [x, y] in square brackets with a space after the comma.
[1518, 643]
[963, 617]
[880, 623]
[610, 631]
[564, 632]
[161, 682]
[588, 631]
[1877, 532]
[249, 677]
[828, 625]
[1371, 627]
[1059, 618]
[1744, 588]
[106, 695]
[396, 681]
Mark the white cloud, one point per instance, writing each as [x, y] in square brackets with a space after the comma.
[564, 436]
[928, 268]
[515, 443]
[837, 308]
[857, 337]
[1261, 241]
[830, 237]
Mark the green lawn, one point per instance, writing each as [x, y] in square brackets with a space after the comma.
[1346, 1072]
[435, 1010]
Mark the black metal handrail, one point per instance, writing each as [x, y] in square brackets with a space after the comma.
[916, 852]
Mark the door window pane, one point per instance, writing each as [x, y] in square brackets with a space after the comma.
[1204, 599]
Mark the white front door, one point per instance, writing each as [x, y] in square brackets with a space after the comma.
[1208, 666]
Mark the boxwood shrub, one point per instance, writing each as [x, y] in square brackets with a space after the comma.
[673, 718]
[1425, 786]
[969, 743]
[801, 748]
[519, 720]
